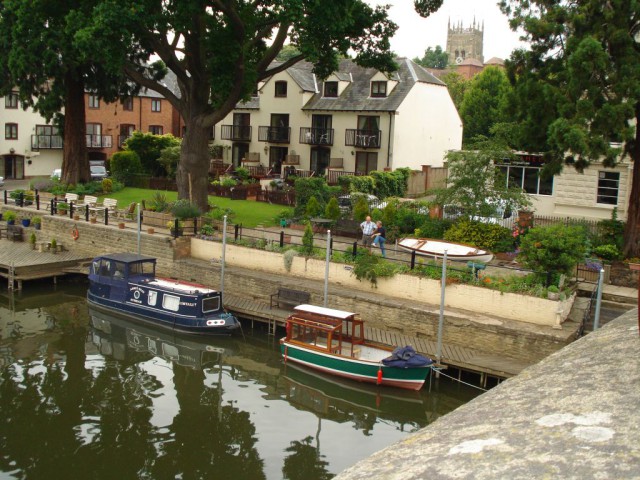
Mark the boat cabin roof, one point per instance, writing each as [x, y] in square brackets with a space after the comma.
[127, 257]
[327, 312]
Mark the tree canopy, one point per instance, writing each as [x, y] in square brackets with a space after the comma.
[433, 58]
[582, 73]
[45, 57]
[457, 86]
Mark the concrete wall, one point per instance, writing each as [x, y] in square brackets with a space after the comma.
[523, 308]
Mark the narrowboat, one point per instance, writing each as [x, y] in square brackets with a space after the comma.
[333, 341]
[458, 252]
[126, 284]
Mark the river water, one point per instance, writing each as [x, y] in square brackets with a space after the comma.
[86, 395]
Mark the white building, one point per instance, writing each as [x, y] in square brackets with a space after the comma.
[30, 146]
[357, 120]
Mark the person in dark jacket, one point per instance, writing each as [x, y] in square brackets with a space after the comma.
[379, 237]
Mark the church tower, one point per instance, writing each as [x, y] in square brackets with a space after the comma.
[464, 43]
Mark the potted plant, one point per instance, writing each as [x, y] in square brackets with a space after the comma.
[32, 240]
[171, 225]
[54, 245]
[37, 222]
[63, 208]
[151, 230]
[93, 218]
[10, 217]
[121, 225]
[553, 292]
[25, 222]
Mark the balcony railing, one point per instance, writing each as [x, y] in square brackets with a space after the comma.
[236, 133]
[122, 139]
[316, 136]
[99, 141]
[362, 138]
[274, 134]
[40, 142]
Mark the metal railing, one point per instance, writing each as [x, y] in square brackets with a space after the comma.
[362, 138]
[274, 134]
[99, 141]
[42, 142]
[316, 136]
[236, 133]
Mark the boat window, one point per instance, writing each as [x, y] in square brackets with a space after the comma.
[171, 302]
[170, 351]
[152, 298]
[95, 267]
[211, 304]
[105, 268]
[142, 268]
[118, 270]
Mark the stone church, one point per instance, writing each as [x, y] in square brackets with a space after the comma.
[465, 43]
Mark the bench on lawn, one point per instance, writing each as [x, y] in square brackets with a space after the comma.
[288, 296]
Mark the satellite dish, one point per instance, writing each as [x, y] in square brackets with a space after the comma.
[459, 60]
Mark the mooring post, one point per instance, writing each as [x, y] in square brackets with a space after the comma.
[413, 259]
[326, 269]
[281, 238]
[355, 249]
[596, 318]
[441, 318]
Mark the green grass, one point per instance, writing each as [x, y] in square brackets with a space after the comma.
[247, 212]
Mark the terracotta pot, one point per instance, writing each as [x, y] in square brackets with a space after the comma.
[93, 220]
[150, 231]
[121, 225]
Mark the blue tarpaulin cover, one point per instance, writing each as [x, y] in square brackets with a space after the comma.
[406, 357]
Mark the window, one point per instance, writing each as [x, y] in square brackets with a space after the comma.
[527, 179]
[94, 129]
[379, 89]
[11, 100]
[127, 104]
[331, 89]
[152, 298]
[155, 129]
[366, 162]
[170, 302]
[94, 101]
[11, 131]
[211, 304]
[46, 130]
[608, 184]
[281, 88]
[156, 105]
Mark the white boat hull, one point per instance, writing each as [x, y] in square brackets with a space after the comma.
[455, 251]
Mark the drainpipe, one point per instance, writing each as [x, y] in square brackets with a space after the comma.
[389, 140]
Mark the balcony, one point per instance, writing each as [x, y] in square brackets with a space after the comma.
[236, 133]
[274, 134]
[362, 138]
[99, 141]
[42, 142]
[316, 136]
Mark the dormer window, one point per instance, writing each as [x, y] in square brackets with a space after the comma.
[379, 89]
[281, 88]
[330, 89]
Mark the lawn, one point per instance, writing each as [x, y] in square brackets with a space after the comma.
[247, 212]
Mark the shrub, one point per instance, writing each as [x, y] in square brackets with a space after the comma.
[432, 228]
[169, 158]
[371, 267]
[226, 181]
[158, 202]
[148, 148]
[363, 184]
[242, 173]
[307, 241]
[10, 215]
[556, 249]
[107, 185]
[607, 252]
[611, 232]
[314, 208]
[483, 235]
[360, 209]
[125, 165]
[332, 210]
[206, 230]
[36, 220]
[183, 209]
[218, 213]
[307, 188]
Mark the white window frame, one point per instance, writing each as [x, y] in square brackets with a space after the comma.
[605, 190]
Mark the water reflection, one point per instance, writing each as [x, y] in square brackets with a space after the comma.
[85, 394]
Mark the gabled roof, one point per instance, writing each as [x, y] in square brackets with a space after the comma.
[356, 97]
[472, 61]
[494, 61]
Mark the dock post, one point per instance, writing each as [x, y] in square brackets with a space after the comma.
[281, 238]
[37, 200]
[596, 318]
[355, 249]
[441, 318]
[326, 269]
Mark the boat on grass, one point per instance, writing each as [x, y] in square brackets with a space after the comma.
[455, 251]
[126, 284]
[332, 341]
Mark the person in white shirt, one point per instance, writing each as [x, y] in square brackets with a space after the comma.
[367, 227]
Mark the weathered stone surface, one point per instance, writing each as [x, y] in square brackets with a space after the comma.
[575, 415]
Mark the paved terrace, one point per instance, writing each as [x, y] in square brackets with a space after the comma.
[575, 415]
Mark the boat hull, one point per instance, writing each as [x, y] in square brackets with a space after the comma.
[157, 318]
[435, 249]
[355, 369]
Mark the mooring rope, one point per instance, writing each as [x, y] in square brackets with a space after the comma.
[457, 380]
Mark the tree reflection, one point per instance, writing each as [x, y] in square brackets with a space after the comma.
[305, 462]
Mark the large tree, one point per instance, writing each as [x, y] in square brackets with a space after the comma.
[484, 103]
[220, 49]
[583, 67]
[44, 56]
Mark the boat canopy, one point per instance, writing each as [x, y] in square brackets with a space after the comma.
[124, 266]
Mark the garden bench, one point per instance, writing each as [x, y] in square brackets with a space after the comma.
[88, 201]
[288, 296]
[14, 233]
[347, 228]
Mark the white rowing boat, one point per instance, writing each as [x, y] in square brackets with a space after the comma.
[455, 251]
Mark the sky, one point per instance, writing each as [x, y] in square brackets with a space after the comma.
[415, 33]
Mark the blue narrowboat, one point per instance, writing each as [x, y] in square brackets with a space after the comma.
[126, 284]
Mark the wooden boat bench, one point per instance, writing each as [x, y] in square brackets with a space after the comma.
[289, 296]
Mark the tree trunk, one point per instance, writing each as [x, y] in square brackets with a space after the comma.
[631, 233]
[192, 174]
[75, 166]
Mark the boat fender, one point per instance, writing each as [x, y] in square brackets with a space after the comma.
[379, 380]
[74, 233]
